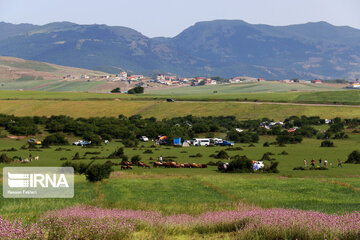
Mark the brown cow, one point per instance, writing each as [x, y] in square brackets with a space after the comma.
[194, 165]
[140, 164]
[157, 164]
[146, 165]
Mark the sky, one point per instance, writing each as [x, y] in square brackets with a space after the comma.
[168, 18]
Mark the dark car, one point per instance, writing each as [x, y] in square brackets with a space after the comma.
[170, 100]
[226, 143]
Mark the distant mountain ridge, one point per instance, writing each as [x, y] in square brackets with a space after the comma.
[214, 48]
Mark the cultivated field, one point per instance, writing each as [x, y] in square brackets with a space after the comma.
[180, 202]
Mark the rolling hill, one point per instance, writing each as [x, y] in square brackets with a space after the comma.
[222, 47]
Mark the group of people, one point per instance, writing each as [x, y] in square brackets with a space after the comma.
[321, 162]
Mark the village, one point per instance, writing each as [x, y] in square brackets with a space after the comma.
[173, 80]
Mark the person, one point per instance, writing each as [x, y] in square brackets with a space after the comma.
[320, 162]
[20, 159]
[325, 163]
[313, 162]
[30, 156]
[339, 163]
[160, 159]
[305, 163]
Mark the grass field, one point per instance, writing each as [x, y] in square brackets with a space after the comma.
[193, 191]
[162, 109]
[258, 92]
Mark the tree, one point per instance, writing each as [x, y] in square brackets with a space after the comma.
[327, 143]
[240, 164]
[354, 157]
[55, 139]
[98, 172]
[4, 158]
[136, 90]
[116, 90]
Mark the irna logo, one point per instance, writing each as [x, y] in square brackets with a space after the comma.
[38, 182]
[18, 180]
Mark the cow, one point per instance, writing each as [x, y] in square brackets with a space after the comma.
[36, 158]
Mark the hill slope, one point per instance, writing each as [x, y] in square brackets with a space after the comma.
[222, 47]
[17, 69]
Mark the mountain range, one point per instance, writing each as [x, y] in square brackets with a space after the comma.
[225, 48]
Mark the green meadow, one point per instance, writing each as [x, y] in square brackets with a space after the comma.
[193, 191]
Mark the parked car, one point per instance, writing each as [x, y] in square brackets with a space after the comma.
[34, 141]
[257, 165]
[144, 138]
[170, 100]
[81, 143]
[201, 141]
[225, 143]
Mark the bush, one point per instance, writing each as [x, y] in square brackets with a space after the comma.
[116, 90]
[4, 158]
[93, 138]
[285, 139]
[76, 156]
[135, 159]
[55, 139]
[354, 157]
[98, 172]
[118, 153]
[240, 164]
[136, 90]
[327, 143]
[298, 168]
[266, 144]
[148, 151]
[284, 153]
[130, 142]
[221, 155]
[272, 168]
[196, 155]
[266, 157]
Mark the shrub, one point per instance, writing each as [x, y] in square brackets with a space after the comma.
[266, 144]
[118, 153]
[55, 139]
[354, 157]
[136, 90]
[272, 168]
[284, 153]
[285, 139]
[63, 158]
[298, 168]
[148, 151]
[327, 143]
[98, 172]
[240, 164]
[76, 156]
[196, 155]
[266, 157]
[116, 90]
[136, 159]
[221, 155]
[130, 142]
[4, 158]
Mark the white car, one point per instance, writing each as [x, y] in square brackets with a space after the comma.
[144, 139]
[257, 165]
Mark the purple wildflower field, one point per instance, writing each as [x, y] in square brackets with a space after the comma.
[86, 222]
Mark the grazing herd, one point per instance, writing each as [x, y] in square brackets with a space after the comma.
[178, 165]
[129, 165]
[27, 160]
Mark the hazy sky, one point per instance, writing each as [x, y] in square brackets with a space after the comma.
[169, 17]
